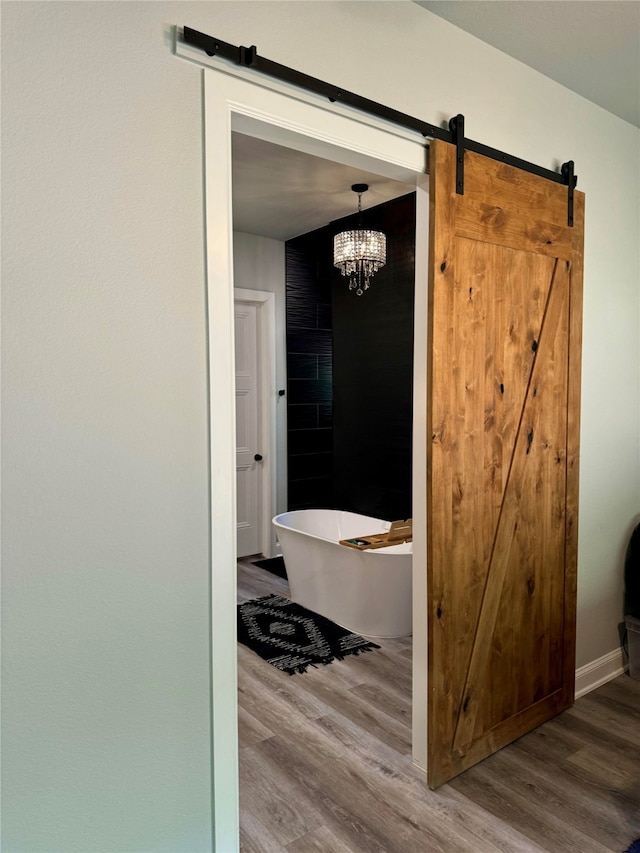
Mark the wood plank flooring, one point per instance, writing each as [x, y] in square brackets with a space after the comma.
[325, 765]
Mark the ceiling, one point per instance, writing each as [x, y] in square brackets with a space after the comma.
[280, 192]
[589, 46]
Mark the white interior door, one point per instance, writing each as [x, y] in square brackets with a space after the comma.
[248, 456]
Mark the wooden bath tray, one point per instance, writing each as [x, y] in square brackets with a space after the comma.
[399, 533]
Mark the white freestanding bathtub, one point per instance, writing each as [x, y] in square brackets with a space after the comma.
[368, 592]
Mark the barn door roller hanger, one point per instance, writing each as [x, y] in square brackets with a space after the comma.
[250, 58]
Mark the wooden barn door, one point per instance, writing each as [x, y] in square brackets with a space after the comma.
[505, 315]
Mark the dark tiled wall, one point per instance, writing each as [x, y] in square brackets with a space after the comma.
[373, 375]
[350, 372]
[309, 375]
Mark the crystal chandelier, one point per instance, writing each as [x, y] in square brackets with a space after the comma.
[360, 253]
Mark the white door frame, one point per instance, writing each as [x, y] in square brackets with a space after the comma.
[265, 303]
[285, 116]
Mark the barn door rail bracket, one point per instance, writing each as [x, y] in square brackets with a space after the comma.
[570, 180]
[456, 126]
[250, 58]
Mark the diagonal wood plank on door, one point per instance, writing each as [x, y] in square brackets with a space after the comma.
[528, 535]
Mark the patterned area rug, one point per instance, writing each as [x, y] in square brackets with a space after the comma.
[291, 638]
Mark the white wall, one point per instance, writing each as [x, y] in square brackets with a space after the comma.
[259, 264]
[106, 711]
[106, 661]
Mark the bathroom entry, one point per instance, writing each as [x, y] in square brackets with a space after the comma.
[233, 104]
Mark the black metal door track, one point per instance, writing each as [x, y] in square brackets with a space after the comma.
[249, 57]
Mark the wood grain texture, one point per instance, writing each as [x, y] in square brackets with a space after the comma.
[573, 440]
[517, 631]
[335, 774]
[502, 487]
[443, 656]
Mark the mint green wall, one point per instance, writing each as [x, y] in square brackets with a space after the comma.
[105, 561]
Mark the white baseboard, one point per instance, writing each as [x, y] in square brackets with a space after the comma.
[599, 671]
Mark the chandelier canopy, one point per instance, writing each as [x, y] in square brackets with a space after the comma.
[360, 253]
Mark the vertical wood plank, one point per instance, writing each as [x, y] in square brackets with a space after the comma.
[515, 540]
[441, 674]
[573, 446]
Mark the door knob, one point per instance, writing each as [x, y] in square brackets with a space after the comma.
[258, 457]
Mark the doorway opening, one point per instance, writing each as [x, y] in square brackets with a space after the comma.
[233, 104]
[251, 252]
